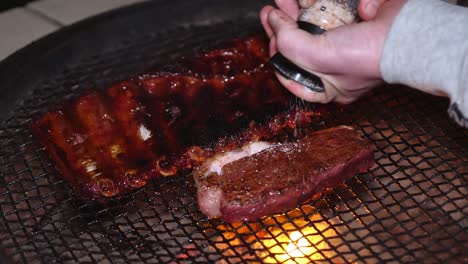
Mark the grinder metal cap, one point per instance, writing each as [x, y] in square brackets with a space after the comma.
[316, 18]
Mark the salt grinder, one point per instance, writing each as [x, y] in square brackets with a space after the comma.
[316, 17]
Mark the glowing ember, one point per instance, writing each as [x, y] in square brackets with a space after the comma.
[300, 241]
[299, 246]
[296, 247]
[287, 238]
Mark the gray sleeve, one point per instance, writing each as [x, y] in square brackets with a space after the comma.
[427, 48]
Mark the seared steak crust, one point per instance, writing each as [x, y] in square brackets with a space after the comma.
[280, 177]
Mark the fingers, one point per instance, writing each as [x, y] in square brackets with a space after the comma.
[264, 19]
[302, 49]
[306, 94]
[368, 8]
[306, 3]
[299, 46]
[273, 50]
[289, 7]
[278, 21]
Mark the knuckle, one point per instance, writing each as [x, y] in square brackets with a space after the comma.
[285, 43]
[282, 42]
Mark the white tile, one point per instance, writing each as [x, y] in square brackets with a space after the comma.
[19, 27]
[70, 11]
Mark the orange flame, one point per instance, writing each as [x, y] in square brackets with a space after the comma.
[300, 246]
[302, 240]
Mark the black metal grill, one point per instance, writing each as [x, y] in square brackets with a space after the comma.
[410, 207]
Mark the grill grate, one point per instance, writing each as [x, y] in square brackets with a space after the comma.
[410, 207]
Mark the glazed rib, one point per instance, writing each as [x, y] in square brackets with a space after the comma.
[113, 141]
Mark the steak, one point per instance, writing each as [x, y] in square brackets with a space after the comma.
[265, 179]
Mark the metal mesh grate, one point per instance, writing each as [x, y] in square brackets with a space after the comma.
[411, 207]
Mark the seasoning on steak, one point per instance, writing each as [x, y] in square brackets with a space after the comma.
[275, 178]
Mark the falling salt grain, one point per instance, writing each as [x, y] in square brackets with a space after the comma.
[144, 133]
[274, 193]
[90, 166]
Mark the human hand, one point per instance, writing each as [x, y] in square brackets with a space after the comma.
[347, 59]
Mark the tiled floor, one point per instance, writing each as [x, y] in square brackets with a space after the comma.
[70, 11]
[18, 27]
[21, 26]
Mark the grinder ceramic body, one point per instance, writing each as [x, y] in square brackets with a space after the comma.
[316, 18]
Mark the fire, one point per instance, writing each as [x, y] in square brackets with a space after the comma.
[288, 238]
[299, 241]
[301, 246]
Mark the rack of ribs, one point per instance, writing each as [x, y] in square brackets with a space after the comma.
[164, 122]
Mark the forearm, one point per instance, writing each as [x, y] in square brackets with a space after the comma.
[427, 48]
